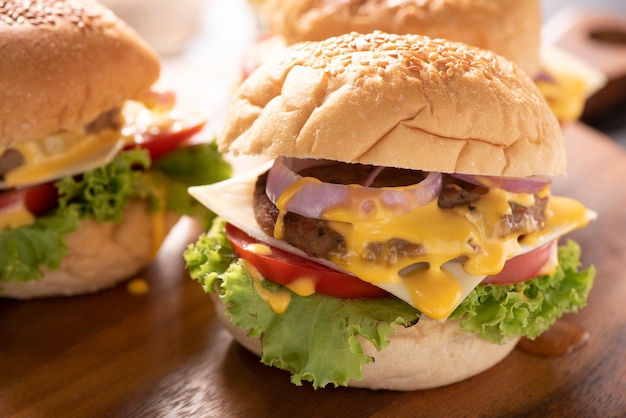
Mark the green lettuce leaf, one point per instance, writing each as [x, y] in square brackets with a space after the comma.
[25, 250]
[316, 338]
[102, 194]
[191, 166]
[527, 308]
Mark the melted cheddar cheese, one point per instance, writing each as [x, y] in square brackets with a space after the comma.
[278, 302]
[566, 95]
[446, 235]
[16, 215]
[433, 282]
[63, 154]
[75, 151]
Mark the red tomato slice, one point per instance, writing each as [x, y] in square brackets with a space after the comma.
[161, 143]
[524, 267]
[283, 268]
[38, 199]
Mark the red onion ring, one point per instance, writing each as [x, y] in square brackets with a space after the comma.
[531, 184]
[544, 76]
[315, 196]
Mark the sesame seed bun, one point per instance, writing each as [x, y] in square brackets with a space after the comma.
[508, 27]
[405, 101]
[432, 354]
[99, 255]
[64, 63]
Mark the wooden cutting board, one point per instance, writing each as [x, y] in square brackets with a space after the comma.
[164, 353]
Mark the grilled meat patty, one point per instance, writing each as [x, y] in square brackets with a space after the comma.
[317, 239]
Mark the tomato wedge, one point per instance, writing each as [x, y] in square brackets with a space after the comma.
[38, 199]
[524, 267]
[284, 268]
[159, 143]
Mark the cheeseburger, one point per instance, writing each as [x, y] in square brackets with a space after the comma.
[510, 28]
[94, 165]
[403, 236]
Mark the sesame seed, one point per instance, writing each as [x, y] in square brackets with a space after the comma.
[415, 56]
[49, 12]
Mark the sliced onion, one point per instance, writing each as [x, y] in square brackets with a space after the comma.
[544, 76]
[315, 196]
[531, 184]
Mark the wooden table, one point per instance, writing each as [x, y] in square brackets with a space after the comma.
[165, 354]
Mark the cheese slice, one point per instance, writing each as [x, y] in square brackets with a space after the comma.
[72, 152]
[62, 154]
[14, 215]
[233, 200]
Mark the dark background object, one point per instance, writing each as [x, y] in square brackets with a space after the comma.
[595, 31]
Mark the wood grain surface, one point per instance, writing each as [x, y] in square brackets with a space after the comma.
[164, 353]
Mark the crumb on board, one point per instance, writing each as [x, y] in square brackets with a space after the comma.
[137, 286]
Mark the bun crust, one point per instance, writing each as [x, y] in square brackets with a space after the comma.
[510, 28]
[64, 63]
[432, 354]
[407, 101]
[99, 256]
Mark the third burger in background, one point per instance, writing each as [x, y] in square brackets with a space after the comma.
[509, 28]
[404, 236]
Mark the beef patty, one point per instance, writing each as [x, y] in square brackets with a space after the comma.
[317, 239]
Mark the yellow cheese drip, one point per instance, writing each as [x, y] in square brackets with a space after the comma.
[15, 216]
[157, 219]
[566, 95]
[476, 234]
[278, 302]
[283, 200]
[561, 211]
[258, 248]
[302, 286]
[46, 158]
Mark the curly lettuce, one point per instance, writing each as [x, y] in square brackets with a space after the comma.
[191, 166]
[25, 250]
[102, 194]
[316, 338]
[527, 308]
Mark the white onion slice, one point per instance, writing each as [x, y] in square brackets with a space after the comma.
[531, 184]
[315, 196]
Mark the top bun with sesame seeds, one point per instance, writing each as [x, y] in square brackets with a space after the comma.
[510, 28]
[64, 63]
[406, 101]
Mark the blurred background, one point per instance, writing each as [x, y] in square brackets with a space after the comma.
[563, 15]
[551, 7]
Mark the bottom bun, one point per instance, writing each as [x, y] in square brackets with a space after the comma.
[99, 256]
[427, 355]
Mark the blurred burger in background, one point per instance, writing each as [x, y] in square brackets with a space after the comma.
[509, 28]
[94, 163]
[166, 25]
